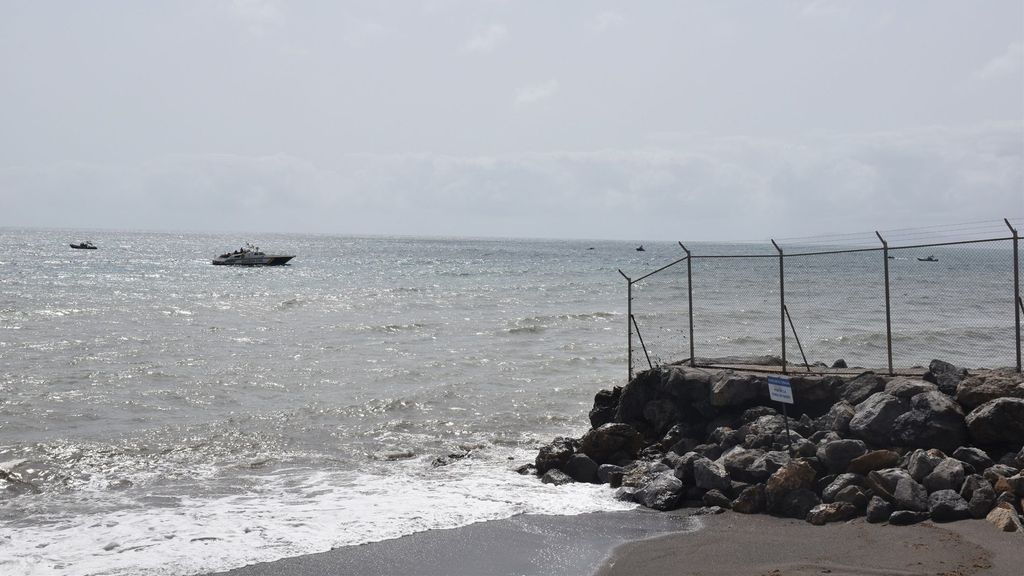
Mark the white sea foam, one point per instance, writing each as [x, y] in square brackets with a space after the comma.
[289, 513]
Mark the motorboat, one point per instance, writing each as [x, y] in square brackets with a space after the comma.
[640, 248]
[250, 255]
[84, 246]
[928, 259]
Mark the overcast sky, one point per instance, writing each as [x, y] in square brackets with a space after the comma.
[676, 120]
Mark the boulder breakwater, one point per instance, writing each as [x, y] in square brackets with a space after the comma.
[946, 445]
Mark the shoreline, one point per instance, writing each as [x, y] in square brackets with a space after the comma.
[523, 545]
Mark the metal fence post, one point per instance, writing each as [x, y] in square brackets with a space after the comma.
[782, 305]
[1017, 304]
[689, 295]
[888, 310]
[629, 326]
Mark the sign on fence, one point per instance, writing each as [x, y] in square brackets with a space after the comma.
[779, 389]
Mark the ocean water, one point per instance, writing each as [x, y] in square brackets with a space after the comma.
[166, 416]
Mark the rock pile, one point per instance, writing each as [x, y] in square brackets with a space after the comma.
[944, 447]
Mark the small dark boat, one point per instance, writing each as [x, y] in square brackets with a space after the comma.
[928, 259]
[640, 248]
[84, 246]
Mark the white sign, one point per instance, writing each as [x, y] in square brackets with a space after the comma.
[779, 389]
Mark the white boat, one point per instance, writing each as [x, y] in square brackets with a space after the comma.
[250, 255]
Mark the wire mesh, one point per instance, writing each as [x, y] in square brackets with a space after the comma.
[951, 297]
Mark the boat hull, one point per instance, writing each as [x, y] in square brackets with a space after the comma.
[265, 260]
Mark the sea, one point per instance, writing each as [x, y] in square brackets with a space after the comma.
[163, 416]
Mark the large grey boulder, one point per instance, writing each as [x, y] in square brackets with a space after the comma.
[834, 512]
[906, 388]
[874, 418]
[660, 493]
[751, 500]
[746, 465]
[554, 455]
[837, 418]
[947, 475]
[979, 494]
[976, 457]
[612, 443]
[606, 402]
[978, 389]
[945, 375]
[732, 389]
[797, 478]
[556, 477]
[710, 475]
[860, 388]
[909, 495]
[840, 483]
[874, 460]
[947, 506]
[934, 421]
[883, 482]
[921, 462]
[999, 421]
[878, 510]
[581, 468]
[836, 456]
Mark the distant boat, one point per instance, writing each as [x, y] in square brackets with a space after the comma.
[928, 259]
[84, 246]
[640, 248]
[250, 255]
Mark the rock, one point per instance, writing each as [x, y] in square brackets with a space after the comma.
[641, 472]
[751, 500]
[610, 474]
[909, 495]
[1019, 460]
[840, 363]
[684, 469]
[934, 421]
[746, 465]
[835, 512]
[795, 504]
[709, 451]
[795, 476]
[716, 498]
[907, 517]
[906, 388]
[555, 454]
[945, 375]
[883, 482]
[947, 475]
[725, 437]
[731, 389]
[981, 497]
[611, 443]
[710, 475]
[836, 456]
[1010, 485]
[874, 418]
[841, 482]
[625, 494]
[978, 389]
[581, 468]
[606, 402]
[661, 493]
[556, 477]
[685, 445]
[837, 418]
[921, 463]
[1003, 519]
[708, 511]
[874, 460]
[853, 495]
[999, 421]
[753, 413]
[976, 457]
[878, 510]
[947, 506]
[527, 469]
[661, 415]
[860, 388]
[769, 463]
[996, 471]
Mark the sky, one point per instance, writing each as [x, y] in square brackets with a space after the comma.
[656, 120]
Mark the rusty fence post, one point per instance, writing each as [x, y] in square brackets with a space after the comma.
[629, 325]
[689, 296]
[782, 305]
[888, 308]
[1017, 303]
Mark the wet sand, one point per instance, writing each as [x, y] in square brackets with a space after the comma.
[736, 544]
[522, 545]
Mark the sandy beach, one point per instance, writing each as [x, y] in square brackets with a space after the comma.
[735, 544]
[650, 543]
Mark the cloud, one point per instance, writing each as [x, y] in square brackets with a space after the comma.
[486, 40]
[1009, 63]
[258, 15]
[737, 189]
[604, 21]
[534, 93]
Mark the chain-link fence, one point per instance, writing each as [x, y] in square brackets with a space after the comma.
[835, 303]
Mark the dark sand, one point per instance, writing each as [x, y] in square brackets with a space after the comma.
[736, 544]
[649, 543]
[522, 545]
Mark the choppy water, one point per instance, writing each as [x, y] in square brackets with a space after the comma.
[174, 417]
